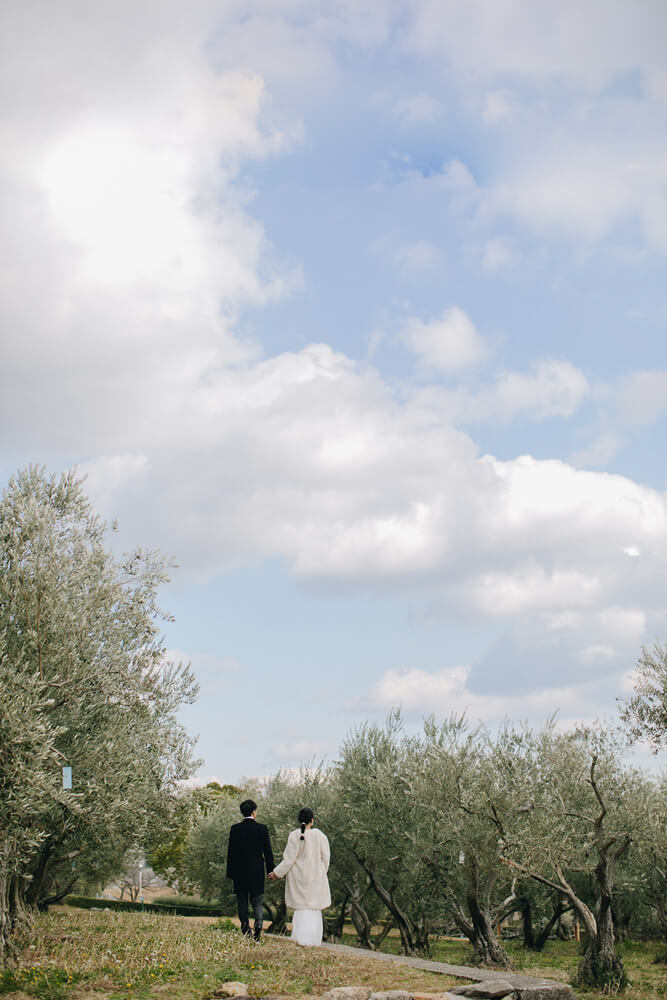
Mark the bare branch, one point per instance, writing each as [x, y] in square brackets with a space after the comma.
[598, 795]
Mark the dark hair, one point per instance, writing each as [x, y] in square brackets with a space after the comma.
[305, 816]
[248, 807]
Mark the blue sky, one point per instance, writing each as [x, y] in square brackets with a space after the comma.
[357, 310]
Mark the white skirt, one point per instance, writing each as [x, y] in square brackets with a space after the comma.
[307, 927]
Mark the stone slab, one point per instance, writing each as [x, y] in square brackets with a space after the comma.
[545, 991]
[490, 989]
[432, 996]
[348, 993]
[231, 989]
[391, 995]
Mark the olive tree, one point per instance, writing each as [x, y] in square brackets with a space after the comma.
[373, 789]
[453, 784]
[645, 907]
[645, 713]
[576, 831]
[84, 660]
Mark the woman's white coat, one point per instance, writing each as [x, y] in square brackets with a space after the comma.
[305, 864]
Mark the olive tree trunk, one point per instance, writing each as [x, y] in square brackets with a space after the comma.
[14, 916]
[479, 929]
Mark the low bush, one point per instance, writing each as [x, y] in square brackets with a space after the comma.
[190, 909]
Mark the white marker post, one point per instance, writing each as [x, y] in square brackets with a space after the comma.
[67, 778]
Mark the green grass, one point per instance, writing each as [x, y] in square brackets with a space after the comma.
[88, 955]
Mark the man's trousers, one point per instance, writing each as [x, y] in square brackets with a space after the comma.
[257, 903]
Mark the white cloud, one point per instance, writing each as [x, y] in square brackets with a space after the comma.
[626, 624]
[580, 180]
[417, 257]
[499, 107]
[556, 389]
[577, 181]
[414, 688]
[203, 662]
[599, 452]
[446, 692]
[212, 671]
[200, 781]
[418, 109]
[454, 180]
[588, 44]
[106, 476]
[449, 343]
[552, 389]
[643, 397]
[301, 749]
[595, 653]
[498, 254]
[578, 160]
[457, 178]
[584, 192]
[311, 459]
[530, 588]
[554, 491]
[125, 211]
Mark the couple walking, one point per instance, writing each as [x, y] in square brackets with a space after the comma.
[305, 864]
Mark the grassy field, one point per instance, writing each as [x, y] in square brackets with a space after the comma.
[90, 955]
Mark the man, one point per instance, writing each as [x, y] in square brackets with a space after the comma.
[248, 852]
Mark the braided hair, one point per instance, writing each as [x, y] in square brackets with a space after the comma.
[305, 816]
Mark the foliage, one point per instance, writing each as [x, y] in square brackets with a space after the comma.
[373, 789]
[205, 858]
[83, 658]
[645, 897]
[645, 714]
[167, 854]
[189, 908]
[29, 762]
[458, 773]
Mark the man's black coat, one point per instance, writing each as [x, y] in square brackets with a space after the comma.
[249, 847]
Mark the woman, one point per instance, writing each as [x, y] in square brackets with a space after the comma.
[306, 863]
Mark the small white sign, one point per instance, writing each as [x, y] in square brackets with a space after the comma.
[67, 778]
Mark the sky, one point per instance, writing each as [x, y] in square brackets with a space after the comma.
[356, 310]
